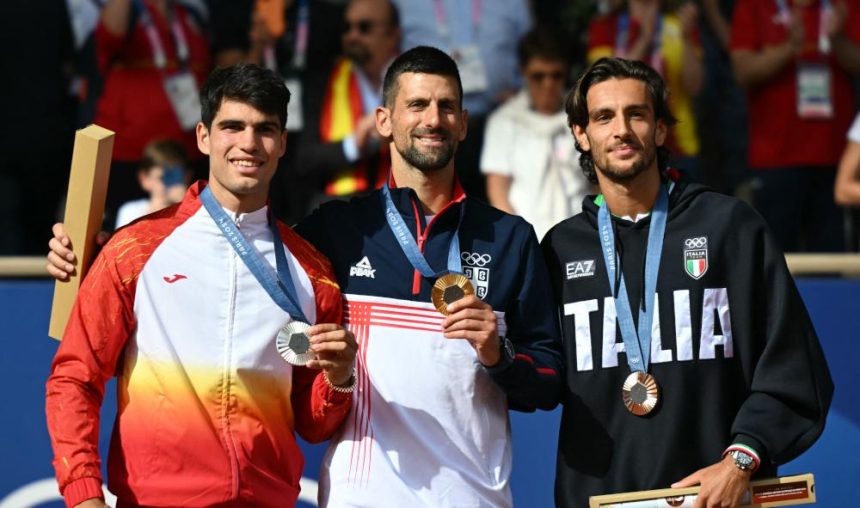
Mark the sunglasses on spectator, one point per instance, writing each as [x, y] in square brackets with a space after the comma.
[540, 76]
[363, 26]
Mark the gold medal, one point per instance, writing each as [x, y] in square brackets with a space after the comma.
[293, 343]
[640, 393]
[448, 289]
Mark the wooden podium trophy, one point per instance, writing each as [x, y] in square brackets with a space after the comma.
[85, 204]
[783, 491]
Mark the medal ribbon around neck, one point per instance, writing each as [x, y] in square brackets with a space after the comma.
[637, 346]
[278, 285]
[410, 246]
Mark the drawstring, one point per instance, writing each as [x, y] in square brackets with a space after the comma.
[619, 256]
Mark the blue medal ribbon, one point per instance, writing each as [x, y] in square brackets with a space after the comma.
[410, 246]
[638, 346]
[278, 285]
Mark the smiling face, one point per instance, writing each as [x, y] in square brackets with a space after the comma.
[425, 121]
[243, 145]
[622, 132]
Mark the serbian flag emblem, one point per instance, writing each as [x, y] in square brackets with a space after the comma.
[696, 256]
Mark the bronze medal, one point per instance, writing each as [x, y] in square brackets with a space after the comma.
[448, 289]
[640, 393]
[293, 343]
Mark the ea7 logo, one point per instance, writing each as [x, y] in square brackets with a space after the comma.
[577, 269]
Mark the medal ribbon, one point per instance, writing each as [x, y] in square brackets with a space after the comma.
[278, 285]
[410, 246]
[637, 346]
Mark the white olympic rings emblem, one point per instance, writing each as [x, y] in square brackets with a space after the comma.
[696, 243]
[475, 259]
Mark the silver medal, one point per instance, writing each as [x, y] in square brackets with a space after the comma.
[293, 343]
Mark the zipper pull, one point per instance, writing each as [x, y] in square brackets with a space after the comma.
[238, 220]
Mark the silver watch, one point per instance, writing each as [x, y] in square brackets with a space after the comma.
[743, 460]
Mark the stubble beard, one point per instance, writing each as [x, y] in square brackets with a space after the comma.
[429, 161]
[618, 175]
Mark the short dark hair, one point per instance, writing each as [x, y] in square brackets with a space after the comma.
[576, 104]
[420, 60]
[542, 42]
[247, 83]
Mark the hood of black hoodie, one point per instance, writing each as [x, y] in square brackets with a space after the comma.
[682, 194]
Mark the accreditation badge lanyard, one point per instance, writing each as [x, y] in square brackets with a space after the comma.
[473, 74]
[279, 286]
[814, 81]
[637, 345]
[410, 246]
[158, 54]
[622, 40]
[180, 87]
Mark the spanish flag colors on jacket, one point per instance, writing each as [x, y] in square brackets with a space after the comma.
[207, 408]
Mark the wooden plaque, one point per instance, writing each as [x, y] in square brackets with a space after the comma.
[85, 205]
[782, 491]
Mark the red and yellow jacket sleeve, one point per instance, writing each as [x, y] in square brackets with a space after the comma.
[101, 322]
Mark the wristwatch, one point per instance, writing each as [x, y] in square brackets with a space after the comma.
[506, 358]
[743, 460]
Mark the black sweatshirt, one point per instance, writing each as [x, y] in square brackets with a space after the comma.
[733, 349]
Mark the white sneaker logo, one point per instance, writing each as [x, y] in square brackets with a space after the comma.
[362, 269]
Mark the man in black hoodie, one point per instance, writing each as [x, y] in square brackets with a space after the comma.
[724, 380]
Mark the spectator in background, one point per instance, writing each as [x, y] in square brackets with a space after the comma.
[300, 39]
[342, 153]
[723, 137]
[163, 175]
[795, 58]
[482, 37]
[153, 54]
[529, 157]
[648, 30]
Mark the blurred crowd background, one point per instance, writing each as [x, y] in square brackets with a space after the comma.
[764, 90]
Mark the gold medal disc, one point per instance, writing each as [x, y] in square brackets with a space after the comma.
[640, 393]
[448, 289]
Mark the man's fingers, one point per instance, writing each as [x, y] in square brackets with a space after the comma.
[323, 327]
[56, 273]
[55, 245]
[57, 265]
[60, 232]
[334, 347]
[470, 301]
[469, 324]
[468, 313]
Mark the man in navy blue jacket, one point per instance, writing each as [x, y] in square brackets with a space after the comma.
[430, 422]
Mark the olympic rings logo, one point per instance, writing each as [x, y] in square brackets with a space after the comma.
[696, 243]
[475, 259]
